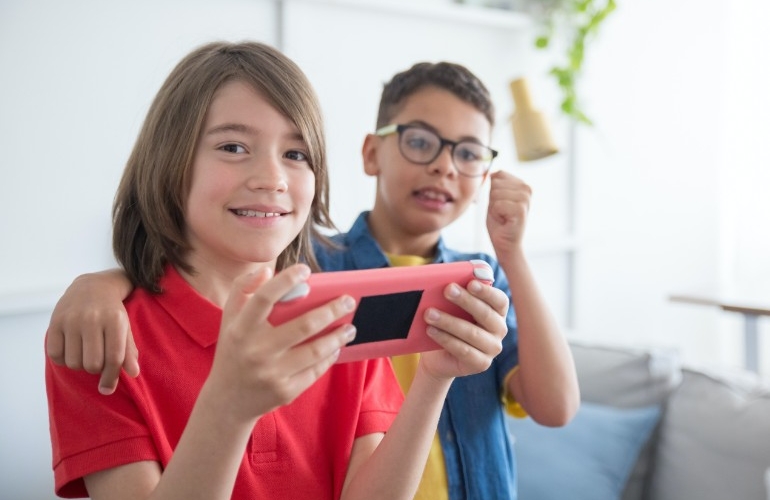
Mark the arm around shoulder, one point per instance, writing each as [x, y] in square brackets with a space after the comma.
[89, 328]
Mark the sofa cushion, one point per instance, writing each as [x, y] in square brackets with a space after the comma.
[715, 439]
[588, 459]
[625, 377]
[628, 377]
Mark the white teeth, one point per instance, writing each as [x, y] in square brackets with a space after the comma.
[254, 213]
[433, 195]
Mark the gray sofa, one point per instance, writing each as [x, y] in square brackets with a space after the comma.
[651, 429]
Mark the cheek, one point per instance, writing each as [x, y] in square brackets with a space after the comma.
[304, 190]
[202, 197]
[470, 190]
[400, 176]
[208, 184]
[208, 194]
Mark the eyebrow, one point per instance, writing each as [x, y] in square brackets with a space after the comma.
[244, 129]
[431, 128]
[232, 127]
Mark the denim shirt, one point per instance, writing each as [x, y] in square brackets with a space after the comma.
[477, 449]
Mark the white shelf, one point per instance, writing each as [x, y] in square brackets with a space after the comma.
[28, 302]
[446, 11]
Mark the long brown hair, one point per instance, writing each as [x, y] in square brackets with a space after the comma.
[149, 206]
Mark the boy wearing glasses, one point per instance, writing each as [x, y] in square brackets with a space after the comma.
[430, 157]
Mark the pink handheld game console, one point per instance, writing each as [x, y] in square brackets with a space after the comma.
[390, 304]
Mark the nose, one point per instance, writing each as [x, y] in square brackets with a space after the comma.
[267, 174]
[444, 163]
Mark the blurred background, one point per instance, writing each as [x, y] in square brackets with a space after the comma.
[665, 194]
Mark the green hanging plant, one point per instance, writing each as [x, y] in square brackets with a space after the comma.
[578, 20]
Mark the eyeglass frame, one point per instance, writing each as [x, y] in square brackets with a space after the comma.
[394, 128]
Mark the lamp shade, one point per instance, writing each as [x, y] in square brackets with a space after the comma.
[531, 132]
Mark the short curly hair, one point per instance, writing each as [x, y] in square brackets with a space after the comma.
[452, 77]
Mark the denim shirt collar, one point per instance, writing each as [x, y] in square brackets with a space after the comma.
[368, 252]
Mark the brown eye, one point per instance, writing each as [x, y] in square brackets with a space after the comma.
[233, 148]
[296, 155]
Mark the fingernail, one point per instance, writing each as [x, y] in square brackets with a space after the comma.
[350, 332]
[348, 303]
[432, 315]
[105, 390]
[454, 291]
[474, 286]
[304, 272]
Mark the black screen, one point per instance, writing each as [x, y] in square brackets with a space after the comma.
[385, 317]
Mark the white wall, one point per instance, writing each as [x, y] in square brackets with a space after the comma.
[673, 177]
[744, 162]
[648, 172]
[25, 450]
[76, 79]
[745, 159]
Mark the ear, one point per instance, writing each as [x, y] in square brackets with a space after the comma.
[369, 155]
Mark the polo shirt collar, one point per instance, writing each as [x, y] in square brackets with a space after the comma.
[197, 316]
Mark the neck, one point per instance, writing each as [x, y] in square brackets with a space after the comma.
[397, 240]
[215, 282]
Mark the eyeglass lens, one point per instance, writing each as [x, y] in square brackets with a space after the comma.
[423, 146]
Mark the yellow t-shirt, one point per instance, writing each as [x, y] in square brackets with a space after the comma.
[433, 485]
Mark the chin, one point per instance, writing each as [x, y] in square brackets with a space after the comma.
[430, 226]
[263, 255]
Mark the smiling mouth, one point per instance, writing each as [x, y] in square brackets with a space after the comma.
[256, 213]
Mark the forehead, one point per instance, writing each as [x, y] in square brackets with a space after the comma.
[444, 111]
[239, 102]
[236, 95]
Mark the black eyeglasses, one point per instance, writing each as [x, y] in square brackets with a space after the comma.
[421, 146]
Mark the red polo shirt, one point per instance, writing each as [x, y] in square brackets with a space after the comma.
[300, 450]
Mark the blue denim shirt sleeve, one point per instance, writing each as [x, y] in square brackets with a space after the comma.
[477, 447]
